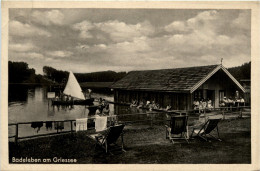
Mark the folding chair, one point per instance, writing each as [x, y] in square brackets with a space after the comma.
[109, 137]
[206, 129]
[177, 126]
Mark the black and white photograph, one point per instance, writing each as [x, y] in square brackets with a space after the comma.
[129, 86]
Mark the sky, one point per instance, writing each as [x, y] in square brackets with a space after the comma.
[90, 40]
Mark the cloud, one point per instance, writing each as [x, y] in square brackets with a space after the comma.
[60, 54]
[84, 28]
[120, 31]
[17, 28]
[243, 20]
[48, 17]
[204, 37]
[81, 47]
[35, 55]
[116, 30]
[21, 47]
[202, 21]
[176, 26]
[27, 55]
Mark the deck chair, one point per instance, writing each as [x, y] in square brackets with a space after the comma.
[109, 138]
[206, 129]
[177, 126]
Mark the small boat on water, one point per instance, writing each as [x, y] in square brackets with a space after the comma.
[74, 91]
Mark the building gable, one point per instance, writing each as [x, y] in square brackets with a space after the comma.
[197, 85]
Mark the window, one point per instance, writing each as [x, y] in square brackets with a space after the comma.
[198, 95]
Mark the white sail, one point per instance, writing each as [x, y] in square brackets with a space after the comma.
[73, 88]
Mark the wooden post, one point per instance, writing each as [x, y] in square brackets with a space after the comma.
[205, 115]
[57, 126]
[71, 127]
[223, 113]
[16, 133]
[187, 127]
[151, 120]
[240, 112]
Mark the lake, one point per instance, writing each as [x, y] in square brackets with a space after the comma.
[30, 103]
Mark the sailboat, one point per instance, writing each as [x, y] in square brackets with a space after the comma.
[74, 90]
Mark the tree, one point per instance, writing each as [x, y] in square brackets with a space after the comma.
[19, 72]
[55, 75]
[241, 72]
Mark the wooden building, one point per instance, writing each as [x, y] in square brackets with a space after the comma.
[178, 87]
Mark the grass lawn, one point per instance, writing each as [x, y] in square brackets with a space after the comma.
[145, 145]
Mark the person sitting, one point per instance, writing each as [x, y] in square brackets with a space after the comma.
[204, 104]
[134, 103]
[200, 107]
[155, 106]
[209, 104]
[66, 98]
[106, 110]
[150, 107]
[148, 103]
[168, 107]
[242, 101]
[103, 104]
[141, 104]
[196, 104]
[63, 98]
[222, 103]
[89, 91]
[230, 103]
[158, 106]
[225, 101]
[98, 112]
[69, 98]
[100, 101]
[56, 98]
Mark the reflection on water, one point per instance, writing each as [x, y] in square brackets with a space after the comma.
[30, 103]
[16, 94]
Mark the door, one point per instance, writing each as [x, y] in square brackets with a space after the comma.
[221, 95]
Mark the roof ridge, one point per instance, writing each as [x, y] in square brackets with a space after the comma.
[175, 68]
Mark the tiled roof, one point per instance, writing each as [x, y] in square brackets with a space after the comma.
[174, 80]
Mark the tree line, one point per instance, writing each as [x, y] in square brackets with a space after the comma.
[19, 72]
[103, 76]
[241, 72]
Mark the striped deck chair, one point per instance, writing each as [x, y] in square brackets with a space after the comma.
[109, 138]
[206, 129]
[177, 126]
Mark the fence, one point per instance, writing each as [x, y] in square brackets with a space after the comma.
[124, 118]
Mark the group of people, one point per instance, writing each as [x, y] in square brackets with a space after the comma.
[64, 97]
[202, 105]
[148, 104]
[103, 108]
[229, 102]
